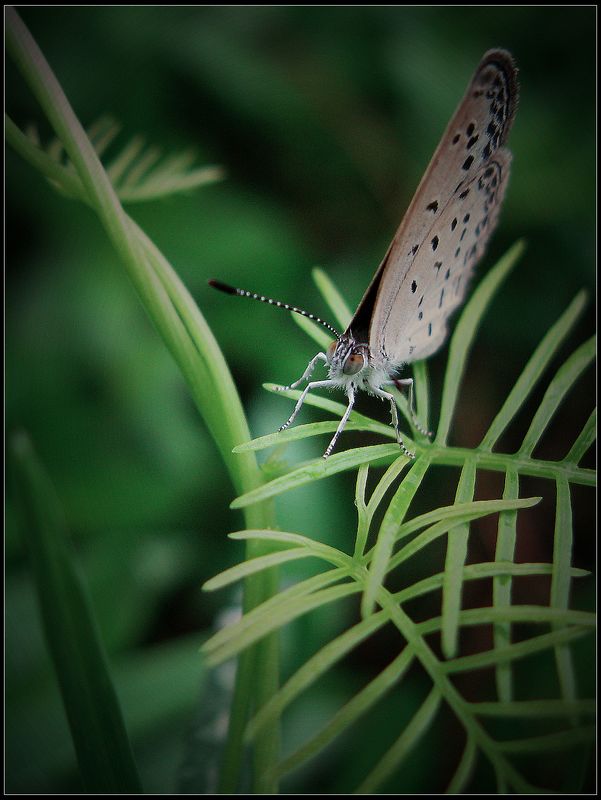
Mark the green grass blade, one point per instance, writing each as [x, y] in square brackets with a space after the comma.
[449, 520]
[316, 470]
[457, 542]
[464, 769]
[406, 742]
[561, 384]
[314, 668]
[299, 432]
[550, 742]
[194, 349]
[253, 565]
[385, 482]
[253, 626]
[363, 518]
[100, 739]
[464, 334]
[535, 709]
[515, 651]
[392, 521]
[422, 392]
[318, 333]
[318, 549]
[333, 298]
[561, 582]
[502, 585]
[351, 711]
[585, 439]
[534, 370]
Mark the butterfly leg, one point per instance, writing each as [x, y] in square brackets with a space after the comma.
[398, 382]
[351, 401]
[301, 400]
[395, 419]
[306, 374]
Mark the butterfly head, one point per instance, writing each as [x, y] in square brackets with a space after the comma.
[347, 358]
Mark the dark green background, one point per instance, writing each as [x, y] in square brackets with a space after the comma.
[324, 119]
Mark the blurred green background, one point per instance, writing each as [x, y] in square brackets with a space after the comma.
[324, 120]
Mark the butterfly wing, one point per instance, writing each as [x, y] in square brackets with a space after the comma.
[424, 275]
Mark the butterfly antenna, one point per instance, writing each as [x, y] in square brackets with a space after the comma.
[224, 287]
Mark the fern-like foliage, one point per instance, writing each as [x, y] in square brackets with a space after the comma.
[546, 724]
[139, 172]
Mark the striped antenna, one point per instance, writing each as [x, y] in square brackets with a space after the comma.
[224, 287]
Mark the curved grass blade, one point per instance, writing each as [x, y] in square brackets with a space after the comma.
[316, 470]
[313, 669]
[535, 709]
[533, 370]
[230, 641]
[189, 340]
[563, 740]
[457, 542]
[480, 508]
[502, 585]
[324, 551]
[560, 583]
[463, 337]
[517, 650]
[474, 572]
[253, 565]
[585, 439]
[392, 521]
[406, 742]
[351, 711]
[464, 769]
[561, 384]
[103, 750]
[333, 298]
[314, 331]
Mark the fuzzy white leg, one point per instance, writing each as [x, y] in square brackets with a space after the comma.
[306, 374]
[351, 401]
[313, 385]
[395, 419]
[398, 382]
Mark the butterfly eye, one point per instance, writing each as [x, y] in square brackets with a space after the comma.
[353, 364]
[331, 350]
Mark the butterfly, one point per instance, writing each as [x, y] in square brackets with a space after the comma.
[404, 314]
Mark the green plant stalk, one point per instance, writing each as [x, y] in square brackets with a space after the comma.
[104, 754]
[217, 398]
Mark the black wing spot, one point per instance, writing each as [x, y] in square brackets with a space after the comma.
[472, 142]
[437, 266]
[466, 218]
[470, 129]
[456, 138]
[468, 162]
[433, 206]
[464, 194]
[454, 224]
[435, 243]
[413, 286]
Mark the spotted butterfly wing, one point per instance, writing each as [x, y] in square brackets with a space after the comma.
[426, 271]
